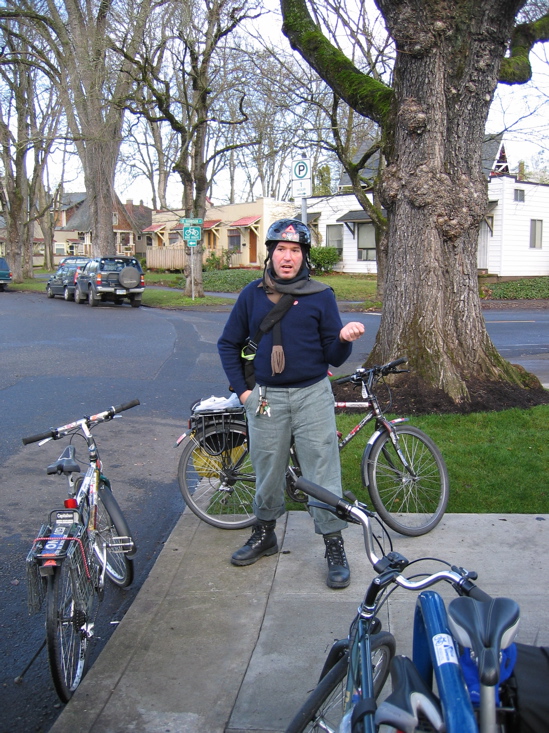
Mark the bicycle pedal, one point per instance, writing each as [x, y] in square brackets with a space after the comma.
[121, 544]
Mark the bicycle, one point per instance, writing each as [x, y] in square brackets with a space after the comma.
[402, 468]
[352, 677]
[80, 544]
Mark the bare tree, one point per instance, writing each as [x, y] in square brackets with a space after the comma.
[448, 62]
[184, 60]
[29, 118]
[150, 148]
[93, 84]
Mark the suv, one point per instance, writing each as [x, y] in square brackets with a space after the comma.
[110, 278]
[5, 274]
[63, 282]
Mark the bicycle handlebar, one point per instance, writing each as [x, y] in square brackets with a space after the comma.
[40, 436]
[459, 578]
[361, 374]
[56, 433]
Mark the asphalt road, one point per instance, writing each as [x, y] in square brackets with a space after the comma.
[59, 361]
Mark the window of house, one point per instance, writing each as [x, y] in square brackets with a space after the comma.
[536, 233]
[366, 243]
[115, 218]
[234, 240]
[175, 238]
[334, 237]
[519, 194]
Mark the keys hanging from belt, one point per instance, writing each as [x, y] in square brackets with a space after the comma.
[263, 407]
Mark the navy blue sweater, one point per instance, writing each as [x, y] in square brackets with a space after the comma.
[310, 338]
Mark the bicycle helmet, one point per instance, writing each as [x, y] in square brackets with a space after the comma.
[289, 230]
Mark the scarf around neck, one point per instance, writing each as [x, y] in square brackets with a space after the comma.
[301, 284]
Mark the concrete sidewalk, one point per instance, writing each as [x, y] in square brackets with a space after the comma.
[209, 648]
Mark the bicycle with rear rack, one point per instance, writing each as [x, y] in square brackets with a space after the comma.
[468, 647]
[81, 543]
[402, 468]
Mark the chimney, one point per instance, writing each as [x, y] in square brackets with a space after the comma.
[129, 205]
[521, 175]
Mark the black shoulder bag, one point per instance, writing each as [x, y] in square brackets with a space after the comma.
[250, 347]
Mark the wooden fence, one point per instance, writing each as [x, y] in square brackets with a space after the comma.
[164, 258]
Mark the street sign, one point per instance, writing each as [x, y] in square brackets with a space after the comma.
[301, 178]
[192, 231]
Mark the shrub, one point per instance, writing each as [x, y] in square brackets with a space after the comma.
[218, 262]
[323, 259]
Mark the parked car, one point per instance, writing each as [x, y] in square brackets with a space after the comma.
[110, 278]
[5, 274]
[63, 282]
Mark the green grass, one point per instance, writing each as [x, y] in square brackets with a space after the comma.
[357, 288]
[498, 462]
[168, 299]
[527, 288]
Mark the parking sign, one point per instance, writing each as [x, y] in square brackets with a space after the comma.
[301, 178]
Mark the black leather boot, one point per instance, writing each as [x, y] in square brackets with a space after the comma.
[262, 542]
[339, 575]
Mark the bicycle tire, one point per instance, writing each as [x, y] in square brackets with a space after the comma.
[216, 477]
[66, 634]
[111, 523]
[324, 708]
[410, 505]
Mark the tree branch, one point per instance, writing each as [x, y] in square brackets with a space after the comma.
[369, 97]
[516, 69]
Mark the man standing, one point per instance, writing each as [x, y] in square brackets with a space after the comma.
[292, 396]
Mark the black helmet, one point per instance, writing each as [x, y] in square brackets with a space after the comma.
[289, 230]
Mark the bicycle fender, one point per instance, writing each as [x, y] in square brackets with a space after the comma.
[370, 445]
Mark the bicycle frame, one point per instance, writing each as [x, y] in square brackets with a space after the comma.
[434, 650]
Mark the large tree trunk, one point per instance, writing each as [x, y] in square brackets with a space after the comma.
[447, 65]
[433, 188]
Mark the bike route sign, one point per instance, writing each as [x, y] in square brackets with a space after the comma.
[192, 231]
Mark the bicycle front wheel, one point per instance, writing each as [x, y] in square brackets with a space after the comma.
[217, 479]
[66, 633]
[325, 706]
[111, 526]
[411, 500]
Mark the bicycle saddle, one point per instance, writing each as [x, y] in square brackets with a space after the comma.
[66, 462]
[410, 697]
[486, 627]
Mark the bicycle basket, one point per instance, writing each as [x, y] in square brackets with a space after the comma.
[77, 552]
[215, 430]
[36, 584]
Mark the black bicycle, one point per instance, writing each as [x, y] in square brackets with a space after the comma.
[402, 468]
[80, 543]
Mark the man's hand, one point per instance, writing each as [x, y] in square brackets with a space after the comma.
[244, 396]
[351, 332]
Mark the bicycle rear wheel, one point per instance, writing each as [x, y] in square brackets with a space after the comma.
[67, 633]
[111, 524]
[411, 503]
[217, 479]
[324, 708]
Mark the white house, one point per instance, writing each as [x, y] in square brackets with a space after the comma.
[512, 242]
[339, 221]
[513, 239]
